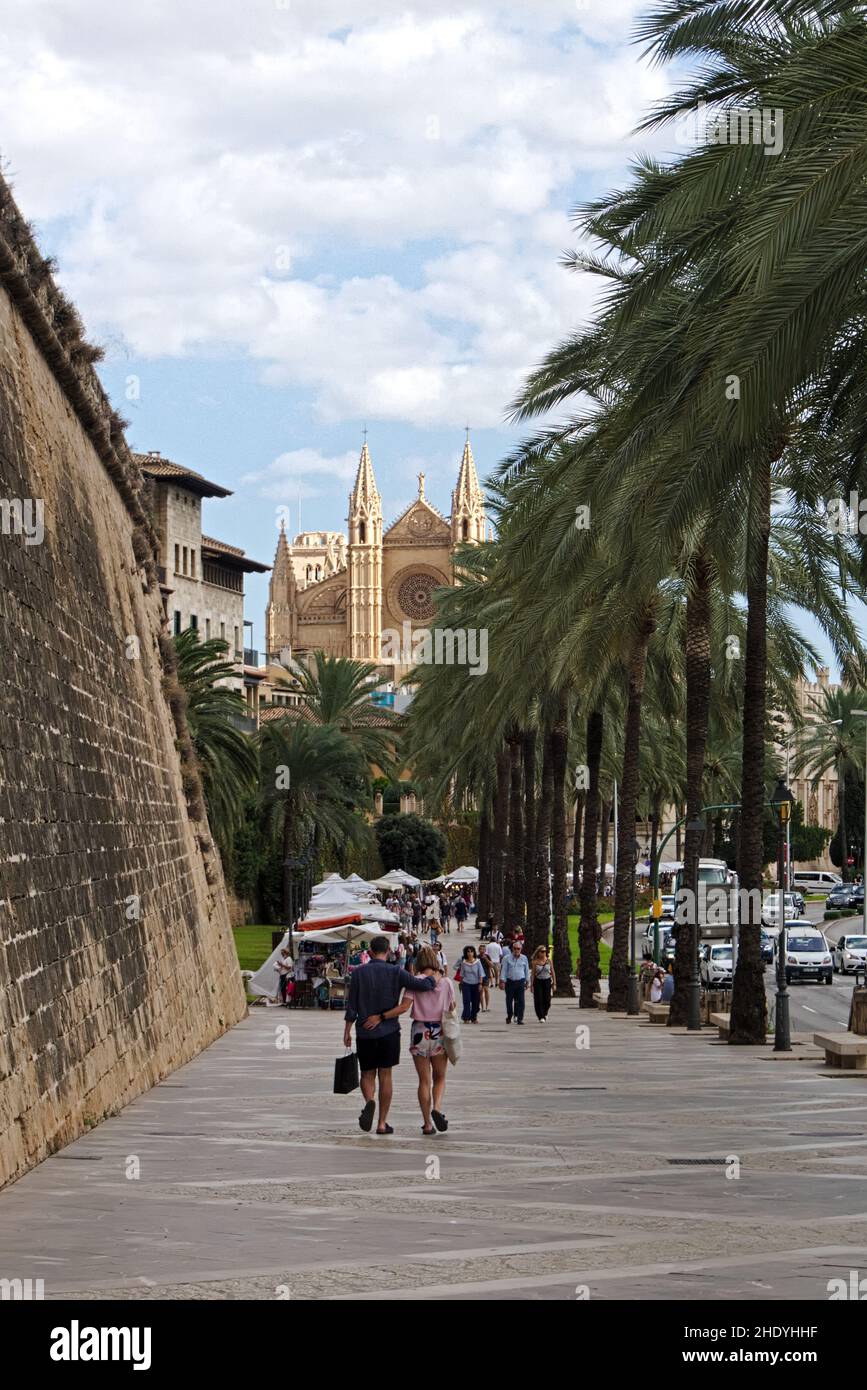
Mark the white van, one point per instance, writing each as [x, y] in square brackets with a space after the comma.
[808, 955]
[815, 880]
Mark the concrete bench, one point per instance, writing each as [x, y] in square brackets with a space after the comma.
[724, 1024]
[657, 1013]
[846, 1051]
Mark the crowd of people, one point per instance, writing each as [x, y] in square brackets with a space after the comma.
[415, 976]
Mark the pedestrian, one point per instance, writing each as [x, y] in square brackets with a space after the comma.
[416, 913]
[656, 988]
[460, 912]
[374, 1005]
[472, 976]
[426, 1045]
[484, 992]
[544, 982]
[668, 984]
[514, 978]
[494, 952]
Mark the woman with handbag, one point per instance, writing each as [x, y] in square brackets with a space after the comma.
[426, 1045]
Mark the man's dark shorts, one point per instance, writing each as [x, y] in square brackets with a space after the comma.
[378, 1052]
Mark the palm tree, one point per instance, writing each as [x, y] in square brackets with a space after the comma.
[314, 787]
[833, 742]
[226, 757]
[338, 692]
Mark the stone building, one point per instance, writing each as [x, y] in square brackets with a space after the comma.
[819, 802]
[202, 579]
[360, 595]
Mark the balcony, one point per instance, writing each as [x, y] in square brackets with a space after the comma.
[222, 578]
[251, 656]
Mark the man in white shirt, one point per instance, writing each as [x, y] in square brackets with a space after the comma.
[495, 955]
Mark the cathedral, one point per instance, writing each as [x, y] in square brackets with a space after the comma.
[344, 593]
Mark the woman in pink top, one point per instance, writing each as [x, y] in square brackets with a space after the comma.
[426, 1045]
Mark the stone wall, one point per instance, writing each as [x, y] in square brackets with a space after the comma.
[116, 958]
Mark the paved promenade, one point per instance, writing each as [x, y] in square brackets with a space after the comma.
[566, 1172]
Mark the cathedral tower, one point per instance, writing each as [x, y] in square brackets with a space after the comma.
[364, 599]
[280, 619]
[468, 502]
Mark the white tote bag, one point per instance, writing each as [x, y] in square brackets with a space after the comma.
[452, 1036]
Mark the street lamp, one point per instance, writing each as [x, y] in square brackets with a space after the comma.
[782, 800]
[632, 1004]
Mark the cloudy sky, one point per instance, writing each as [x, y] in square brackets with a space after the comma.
[287, 218]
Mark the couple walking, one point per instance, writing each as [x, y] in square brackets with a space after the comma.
[517, 975]
[379, 993]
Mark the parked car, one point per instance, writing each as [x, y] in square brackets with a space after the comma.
[808, 955]
[849, 952]
[841, 897]
[815, 880]
[767, 947]
[717, 965]
[666, 948]
[771, 907]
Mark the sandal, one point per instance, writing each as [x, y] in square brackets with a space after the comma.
[427, 1131]
[439, 1120]
[365, 1119]
[387, 1129]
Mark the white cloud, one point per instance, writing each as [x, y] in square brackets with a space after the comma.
[189, 150]
[286, 478]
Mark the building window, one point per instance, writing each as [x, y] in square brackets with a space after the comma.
[237, 647]
[177, 558]
[177, 623]
[207, 629]
[466, 530]
[185, 559]
[194, 622]
[193, 563]
[318, 572]
[309, 572]
[362, 533]
[222, 632]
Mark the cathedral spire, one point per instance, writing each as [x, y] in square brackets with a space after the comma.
[365, 495]
[468, 500]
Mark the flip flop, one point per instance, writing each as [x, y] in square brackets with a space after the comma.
[439, 1120]
[387, 1130]
[427, 1131]
[365, 1119]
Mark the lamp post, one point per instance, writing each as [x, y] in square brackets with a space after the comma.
[632, 1003]
[693, 1014]
[782, 800]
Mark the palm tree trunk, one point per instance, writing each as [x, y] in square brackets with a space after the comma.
[559, 758]
[515, 876]
[588, 927]
[604, 831]
[289, 910]
[624, 883]
[528, 754]
[749, 1005]
[483, 897]
[698, 678]
[655, 816]
[678, 843]
[541, 911]
[580, 799]
[501, 837]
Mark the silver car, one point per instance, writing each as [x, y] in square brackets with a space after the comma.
[849, 953]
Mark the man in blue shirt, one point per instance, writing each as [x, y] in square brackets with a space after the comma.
[514, 978]
[374, 1007]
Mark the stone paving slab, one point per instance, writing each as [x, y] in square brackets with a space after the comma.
[566, 1172]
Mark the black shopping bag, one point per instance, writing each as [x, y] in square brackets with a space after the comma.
[346, 1074]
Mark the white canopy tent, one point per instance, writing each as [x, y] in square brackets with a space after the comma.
[371, 912]
[465, 874]
[397, 878]
[266, 980]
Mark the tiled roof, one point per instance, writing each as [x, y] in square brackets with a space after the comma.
[155, 466]
[213, 544]
[232, 554]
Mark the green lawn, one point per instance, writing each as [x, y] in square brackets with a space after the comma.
[253, 945]
[604, 949]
